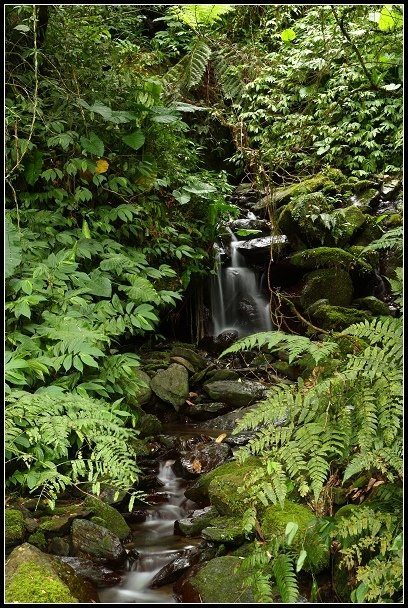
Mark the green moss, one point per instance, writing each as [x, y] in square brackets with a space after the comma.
[221, 581]
[362, 185]
[198, 492]
[114, 521]
[369, 257]
[98, 521]
[32, 584]
[334, 175]
[393, 220]
[317, 183]
[350, 220]
[224, 529]
[14, 526]
[373, 305]
[331, 284]
[38, 540]
[338, 317]
[223, 493]
[371, 231]
[149, 426]
[275, 520]
[328, 257]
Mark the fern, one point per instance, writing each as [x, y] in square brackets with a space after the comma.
[40, 429]
[285, 579]
[392, 239]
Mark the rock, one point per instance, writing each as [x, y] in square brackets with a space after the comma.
[113, 520]
[203, 411]
[197, 361]
[306, 186]
[223, 374]
[14, 527]
[185, 363]
[37, 539]
[273, 524]
[197, 521]
[372, 304]
[225, 339]
[149, 426]
[98, 574]
[223, 492]
[198, 491]
[332, 284]
[58, 546]
[390, 188]
[145, 392]
[235, 393]
[328, 257]
[338, 317]
[56, 525]
[179, 564]
[171, 385]
[202, 459]
[261, 247]
[35, 577]
[225, 529]
[226, 422]
[220, 581]
[92, 541]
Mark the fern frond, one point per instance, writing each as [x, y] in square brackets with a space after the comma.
[285, 578]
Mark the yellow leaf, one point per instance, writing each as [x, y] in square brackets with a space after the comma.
[196, 466]
[221, 437]
[101, 166]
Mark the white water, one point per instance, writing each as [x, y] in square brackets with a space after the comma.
[157, 546]
[236, 298]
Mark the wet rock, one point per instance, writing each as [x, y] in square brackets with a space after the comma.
[98, 574]
[237, 394]
[113, 520]
[390, 188]
[35, 577]
[226, 422]
[224, 495]
[184, 362]
[171, 385]
[149, 426]
[198, 520]
[171, 571]
[202, 459]
[261, 245]
[136, 516]
[223, 374]
[58, 546]
[197, 361]
[225, 339]
[56, 525]
[372, 304]
[250, 224]
[203, 411]
[90, 540]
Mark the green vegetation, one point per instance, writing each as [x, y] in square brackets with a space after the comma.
[122, 147]
[33, 583]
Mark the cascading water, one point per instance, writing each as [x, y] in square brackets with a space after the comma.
[237, 301]
[156, 544]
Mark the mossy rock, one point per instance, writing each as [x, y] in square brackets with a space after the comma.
[334, 175]
[351, 219]
[56, 524]
[198, 492]
[221, 581]
[38, 540]
[144, 391]
[198, 520]
[114, 521]
[338, 317]
[332, 284]
[275, 520]
[372, 258]
[374, 305]
[149, 426]
[14, 527]
[319, 182]
[370, 232]
[224, 529]
[286, 369]
[224, 494]
[299, 218]
[393, 220]
[36, 577]
[328, 257]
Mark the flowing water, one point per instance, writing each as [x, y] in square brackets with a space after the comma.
[237, 300]
[156, 545]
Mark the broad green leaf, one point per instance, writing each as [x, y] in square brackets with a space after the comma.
[392, 87]
[88, 360]
[93, 144]
[389, 19]
[85, 230]
[21, 28]
[135, 140]
[290, 531]
[301, 560]
[33, 168]
[288, 35]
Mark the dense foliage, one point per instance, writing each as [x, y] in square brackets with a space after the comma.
[122, 145]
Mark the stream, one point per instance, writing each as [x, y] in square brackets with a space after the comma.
[155, 542]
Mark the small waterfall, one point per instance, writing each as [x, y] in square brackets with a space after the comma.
[237, 301]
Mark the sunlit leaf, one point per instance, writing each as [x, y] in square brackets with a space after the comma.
[288, 35]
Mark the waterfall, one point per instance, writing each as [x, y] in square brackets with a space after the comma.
[237, 302]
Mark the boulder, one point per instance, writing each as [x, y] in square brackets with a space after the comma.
[145, 392]
[196, 360]
[203, 458]
[234, 393]
[225, 496]
[338, 318]
[197, 521]
[35, 577]
[225, 529]
[171, 385]
[89, 541]
[14, 527]
[98, 574]
[332, 284]
[112, 519]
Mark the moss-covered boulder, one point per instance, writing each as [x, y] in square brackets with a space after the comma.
[33, 577]
[332, 284]
[92, 541]
[14, 527]
[224, 529]
[149, 426]
[144, 391]
[171, 385]
[113, 520]
[372, 304]
[329, 257]
[346, 223]
[338, 317]
[317, 183]
[198, 492]
[274, 521]
[38, 540]
[221, 581]
[195, 359]
[224, 494]
[234, 393]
